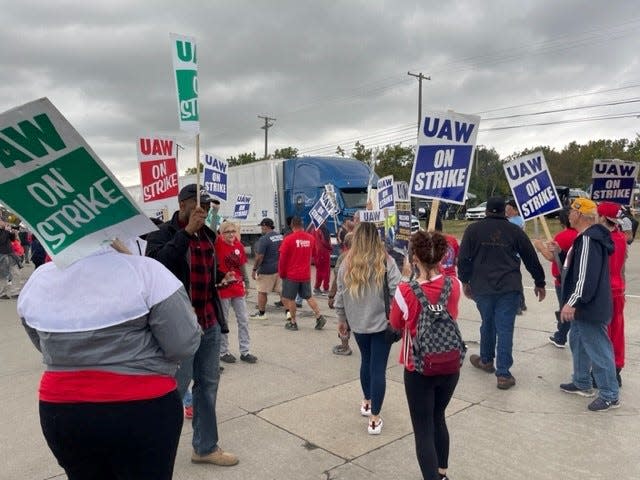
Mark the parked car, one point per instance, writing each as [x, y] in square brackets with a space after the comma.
[577, 193]
[476, 213]
[415, 224]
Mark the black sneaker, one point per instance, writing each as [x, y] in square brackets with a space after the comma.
[228, 358]
[247, 357]
[291, 326]
[571, 388]
[602, 405]
[317, 291]
[320, 321]
[279, 304]
[555, 342]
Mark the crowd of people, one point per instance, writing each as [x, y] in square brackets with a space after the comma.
[136, 360]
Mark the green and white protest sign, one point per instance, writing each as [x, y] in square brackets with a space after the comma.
[183, 50]
[56, 183]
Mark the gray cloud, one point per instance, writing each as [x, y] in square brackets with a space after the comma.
[328, 71]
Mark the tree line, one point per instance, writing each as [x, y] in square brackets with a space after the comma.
[571, 166]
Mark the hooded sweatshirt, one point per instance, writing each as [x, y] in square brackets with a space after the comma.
[585, 276]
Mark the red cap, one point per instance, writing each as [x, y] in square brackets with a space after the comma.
[609, 210]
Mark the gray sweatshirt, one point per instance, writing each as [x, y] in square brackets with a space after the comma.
[366, 314]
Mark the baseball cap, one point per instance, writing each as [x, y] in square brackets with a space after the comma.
[495, 205]
[267, 222]
[584, 206]
[609, 210]
[190, 191]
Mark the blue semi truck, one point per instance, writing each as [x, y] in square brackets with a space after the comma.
[281, 188]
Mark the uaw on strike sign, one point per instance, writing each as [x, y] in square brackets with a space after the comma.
[158, 169]
[532, 186]
[52, 179]
[444, 157]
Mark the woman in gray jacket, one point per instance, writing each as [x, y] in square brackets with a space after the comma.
[112, 329]
[360, 298]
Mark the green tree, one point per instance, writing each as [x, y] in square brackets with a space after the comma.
[487, 177]
[360, 152]
[192, 170]
[340, 151]
[395, 160]
[288, 152]
[242, 159]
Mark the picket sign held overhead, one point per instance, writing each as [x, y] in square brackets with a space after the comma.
[385, 192]
[533, 188]
[241, 208]
[158, 168]
[614, 181]
[53, 180]
[215, 176]
[444, 158]
[185, 65]
[324, 207]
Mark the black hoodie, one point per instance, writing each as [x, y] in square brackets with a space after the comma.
[585, 276]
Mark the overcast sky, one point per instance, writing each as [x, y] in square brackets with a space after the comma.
[330, 72]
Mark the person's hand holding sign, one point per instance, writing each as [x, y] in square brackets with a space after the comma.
[196, 220]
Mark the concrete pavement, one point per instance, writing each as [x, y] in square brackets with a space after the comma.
[295, 414]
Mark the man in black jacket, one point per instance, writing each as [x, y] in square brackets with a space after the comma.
[489, 269]
[185, 246]
[587, 303]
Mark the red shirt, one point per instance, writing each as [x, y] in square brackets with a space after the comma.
[450, 259]
[565, 240]
[98, 386]
[295, 256]
[230, 259]
[405, 310]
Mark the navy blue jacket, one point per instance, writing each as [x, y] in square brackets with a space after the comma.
[585, 280]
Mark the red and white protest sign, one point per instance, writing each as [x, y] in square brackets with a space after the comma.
[158, 168]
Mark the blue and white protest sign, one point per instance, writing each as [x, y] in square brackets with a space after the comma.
[215, 176]
[532, 186]
[613, 180]
[400, 191]
[241, 208]
[444, 157]
[373, 216]
[322, 209]
[385, 192]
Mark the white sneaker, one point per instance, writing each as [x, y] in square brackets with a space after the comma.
[375, 428]
[365, 409]
[258, 316]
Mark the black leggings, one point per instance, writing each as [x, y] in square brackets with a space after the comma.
[428, 398]
[120, 440]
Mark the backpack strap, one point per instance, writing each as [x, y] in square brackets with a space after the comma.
[446, 291]
[417, 291]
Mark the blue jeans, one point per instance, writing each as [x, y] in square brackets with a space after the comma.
[204, 368]
[374, 353]
[498, 312]
[592, 351]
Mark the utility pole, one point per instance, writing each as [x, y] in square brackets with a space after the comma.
[420, 77]
[266, 127]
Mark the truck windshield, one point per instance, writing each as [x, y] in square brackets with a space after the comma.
[354, 198]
